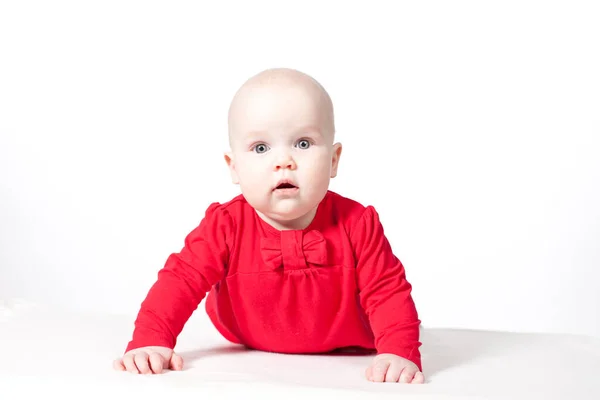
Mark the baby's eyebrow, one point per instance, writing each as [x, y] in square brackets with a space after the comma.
[258, 135]
[309, 130]
[253, 135]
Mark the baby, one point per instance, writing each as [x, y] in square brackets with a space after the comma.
[287, 266]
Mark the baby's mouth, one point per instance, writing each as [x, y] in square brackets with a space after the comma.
[285, 186]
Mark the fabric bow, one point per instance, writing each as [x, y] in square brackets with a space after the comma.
[294, 250]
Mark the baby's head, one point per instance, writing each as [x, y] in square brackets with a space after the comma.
[281, 134]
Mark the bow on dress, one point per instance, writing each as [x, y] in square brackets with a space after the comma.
[294, 250]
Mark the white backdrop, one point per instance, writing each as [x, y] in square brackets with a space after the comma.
[472, 127]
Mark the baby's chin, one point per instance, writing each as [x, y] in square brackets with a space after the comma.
[290, 216]
[285, 216]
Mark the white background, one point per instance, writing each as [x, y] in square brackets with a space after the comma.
[473, 128]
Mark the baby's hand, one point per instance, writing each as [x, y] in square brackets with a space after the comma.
[392, 368]
[149, 360]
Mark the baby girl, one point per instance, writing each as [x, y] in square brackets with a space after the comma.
[287, 266]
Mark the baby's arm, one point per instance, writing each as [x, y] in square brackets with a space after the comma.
[181, 285]
[385, 295]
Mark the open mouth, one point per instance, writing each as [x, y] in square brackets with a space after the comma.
[285, 185]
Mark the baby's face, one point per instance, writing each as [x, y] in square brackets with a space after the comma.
[282, 151]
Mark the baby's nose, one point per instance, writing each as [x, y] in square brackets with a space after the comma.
[285, 161]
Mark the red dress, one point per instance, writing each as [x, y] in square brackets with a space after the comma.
[333, 285]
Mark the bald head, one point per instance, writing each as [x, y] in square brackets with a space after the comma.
[281, 81]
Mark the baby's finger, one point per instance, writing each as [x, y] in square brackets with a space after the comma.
[176, 362]
[156, 362]
[129, 363]
[118, 365]
[141, 361]
[369, 373]
[407, 375]
[379, 370]
[419, 378]
[393, 372]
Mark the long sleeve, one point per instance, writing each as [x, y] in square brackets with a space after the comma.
[385, 294]
[184, 281]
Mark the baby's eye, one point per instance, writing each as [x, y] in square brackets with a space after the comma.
[303, 144]
[260, 148]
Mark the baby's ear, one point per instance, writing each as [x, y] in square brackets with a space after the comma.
[335, 159]
[231, 164]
